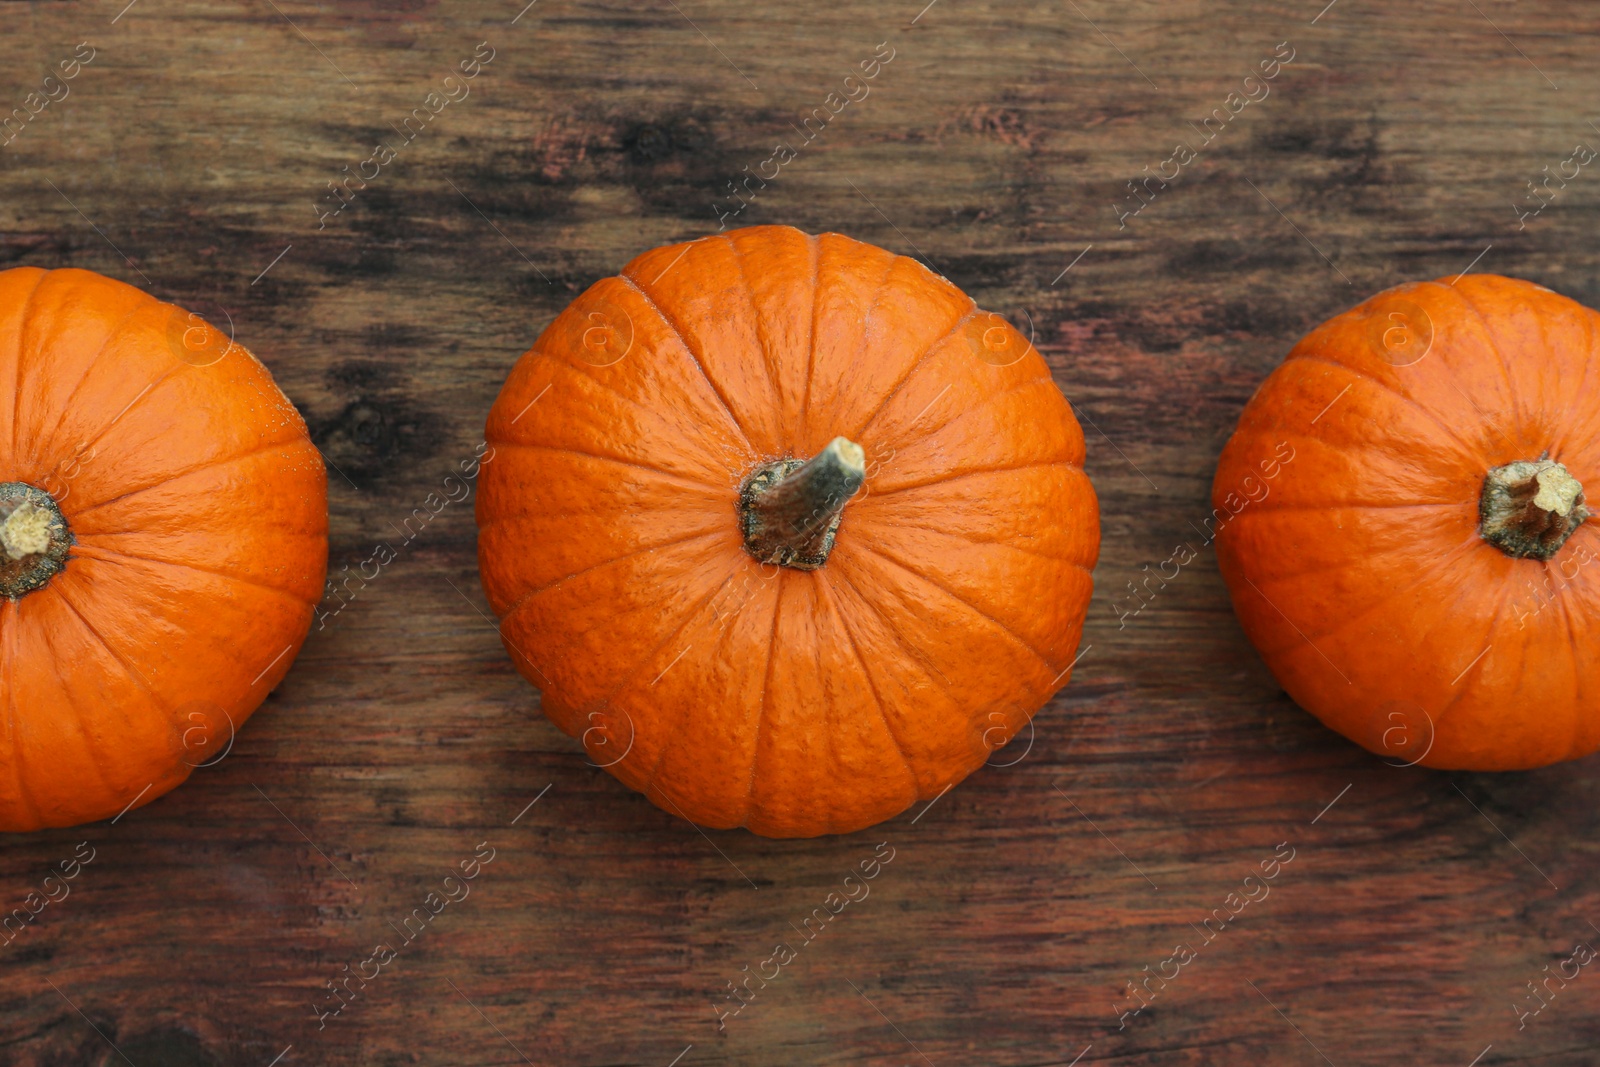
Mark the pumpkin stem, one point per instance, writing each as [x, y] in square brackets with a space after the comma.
[1529, 508]
[790, 509]
[34, 539]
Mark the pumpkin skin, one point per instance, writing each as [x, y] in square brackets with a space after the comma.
[1361, 570]
[197, 511]
[733, 692]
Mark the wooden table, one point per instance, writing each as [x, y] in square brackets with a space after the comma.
[192, 157]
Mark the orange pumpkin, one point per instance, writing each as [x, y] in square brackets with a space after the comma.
[1401, 521]
[786, 530]
[163, 541]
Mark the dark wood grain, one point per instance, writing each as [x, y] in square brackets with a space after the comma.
[195, 149]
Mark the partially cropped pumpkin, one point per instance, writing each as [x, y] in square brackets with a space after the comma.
[787, 530]
[1402, 523]
[163, 541]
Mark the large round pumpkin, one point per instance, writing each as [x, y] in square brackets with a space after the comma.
[787, 530]
[1401, 520]
[163, 541]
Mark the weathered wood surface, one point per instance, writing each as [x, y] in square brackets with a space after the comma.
[196, 147]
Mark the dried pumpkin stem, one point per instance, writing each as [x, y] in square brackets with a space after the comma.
[34, 539]
[790, 509]
[1529, 508]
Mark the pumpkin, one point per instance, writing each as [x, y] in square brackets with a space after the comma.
[787, 531]
[1402, 523]
[163, 541]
